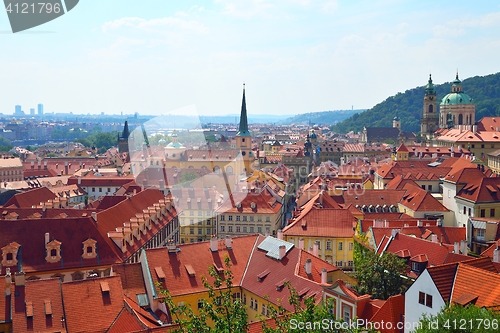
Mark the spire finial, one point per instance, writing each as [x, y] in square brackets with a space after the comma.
[457, 73]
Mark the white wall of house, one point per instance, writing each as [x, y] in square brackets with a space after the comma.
[449, 192]
[413, 309]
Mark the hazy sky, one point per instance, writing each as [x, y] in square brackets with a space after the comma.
[295, 56]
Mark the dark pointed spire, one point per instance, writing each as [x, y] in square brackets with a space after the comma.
[125, 132]
[243, 130]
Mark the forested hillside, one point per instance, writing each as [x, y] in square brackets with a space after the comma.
[322, 117]
[484, 90]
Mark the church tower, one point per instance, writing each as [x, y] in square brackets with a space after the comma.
[123, 141]
[457, 108]
[244, 139]
[430, 119]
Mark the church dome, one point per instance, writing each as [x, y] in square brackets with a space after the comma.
[456, 98]
[312, 135]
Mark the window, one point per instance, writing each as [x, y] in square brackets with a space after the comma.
[340, 246]
[483, 213]
[244, 298]
[200, 304]
[480, 234]
[256, 305]
[191, 213]
[208, 222]
[230, 217]
[251, 302]
[238, 229]
[244, 218]
[222, 217]
[100, 189]
[339, 264]
[350, 263]
[93, 189]
[423, 187]
[244, 229]
[472, 146]
[191, 222]
[9, 256]
[351, 245]
[230, 228]
[347, 314]
[421, 298]
[259, 230]
[465, 210]
[252, 230]
[53, 252]
[429, 188]
[329, 245]
[492, 212]
[470, 212]
[428, 300]
[251, 218]
[222, 228]
[237, 217]
[268, 219]
[191, 231]
[264, 309]
[200, 213]
[482, 146]
[200, 231]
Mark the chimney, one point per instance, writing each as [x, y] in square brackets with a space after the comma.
[20, 278]
[229, 242]
[434, 238]
[47, 238]
[310, 250]
[315, 248]
[214, 246]
[280, 234]
[79, 181]
[39, 165]
[308, 266]
[323, 276]
[94, 216]
[496, 257]
[8, 281]
[45, 165]
[474, 129]
[456, 247]
[420, 223]
[66, 168]
[301, 243]
[463, 247]
[282, 251]
[162, 184]
[32, 165]
[394, 232]
[439, 223]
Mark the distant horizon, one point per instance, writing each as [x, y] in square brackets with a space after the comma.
[155, 57]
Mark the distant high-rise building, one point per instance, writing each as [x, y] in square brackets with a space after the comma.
[40, 109]
[32, 111]
[18, 111]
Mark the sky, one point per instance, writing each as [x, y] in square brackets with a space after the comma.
[294, 56]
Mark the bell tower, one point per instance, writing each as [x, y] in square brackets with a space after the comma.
[430, 120]
[244, 139]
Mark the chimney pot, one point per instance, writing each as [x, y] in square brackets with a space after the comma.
[214, 246]
[301, 243]
[229, 242]
[47, 237]
[308, 266]
[323, 276]
[316, 248]
[282, 253]
[280, 234]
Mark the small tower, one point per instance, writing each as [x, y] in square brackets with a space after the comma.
[244, 139]
[401, 154]
[430, 121]
[457, 108]
[396, 123]
[123, 141]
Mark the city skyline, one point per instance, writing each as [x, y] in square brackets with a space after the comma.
[294, 56]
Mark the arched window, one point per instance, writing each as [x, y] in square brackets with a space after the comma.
[229, 169]
[431, 108]
[216, 169]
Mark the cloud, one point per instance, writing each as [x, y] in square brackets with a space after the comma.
[330, 7]
[158, 24]
[447, 32]
[247, 8]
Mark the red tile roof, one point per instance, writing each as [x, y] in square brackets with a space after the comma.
[289, 267]
[89, 309]
[199, 256]
[264, 202]
[71, 232]
[418, 199]
[482, 284]
[391, 312]
[31, 198]
[125, 322]
[46, 301]
[325, 222]
[481, 190]
[132, 279]
[373, 197]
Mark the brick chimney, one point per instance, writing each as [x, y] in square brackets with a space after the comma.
[282, 252]
[323, 276]
[214, 244]
[316, 248]
[280, 234]
[301, 243]
[8, 281]
[308, 266]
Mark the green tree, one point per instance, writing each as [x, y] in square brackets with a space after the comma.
[379, 276]
[459, 319]
[188, 176]
[221, 312]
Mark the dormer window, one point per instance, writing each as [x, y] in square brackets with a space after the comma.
[9, 254]
[89, 249]
[53, 249]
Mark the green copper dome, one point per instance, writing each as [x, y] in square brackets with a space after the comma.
[456, 98]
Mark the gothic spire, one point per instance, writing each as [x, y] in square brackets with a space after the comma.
[125, 132]
[243, 130]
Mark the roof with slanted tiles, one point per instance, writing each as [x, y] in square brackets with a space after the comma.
[200, 258]
[481, 190]
[418, 199]
[132, 279]
[125, 322]
[373, 197]
[31, 198]
[475, 281]
[88, 307]
[324, 222]
[392, 311]
[46, 303]
[265, 203]
[71, 232]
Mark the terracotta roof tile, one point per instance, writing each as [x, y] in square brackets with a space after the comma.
[31, 198]
[84, 299]
[325, 222]
[392, 311]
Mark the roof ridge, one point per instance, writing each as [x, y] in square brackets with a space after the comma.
[249, 260]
